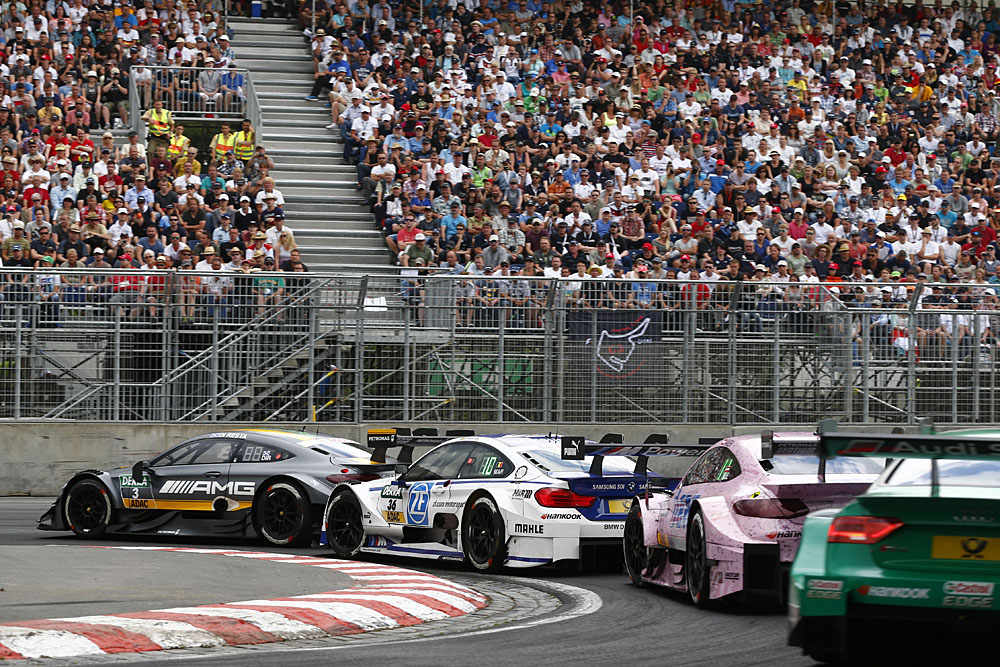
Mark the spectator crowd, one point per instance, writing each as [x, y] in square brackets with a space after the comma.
[775, 141]
[74, 198]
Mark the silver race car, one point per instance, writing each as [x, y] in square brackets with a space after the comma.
[254, 482]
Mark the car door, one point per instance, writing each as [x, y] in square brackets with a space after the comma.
[193, 476]
[252, 463]
[410, 499]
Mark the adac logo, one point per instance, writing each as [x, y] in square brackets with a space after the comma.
[973, 547]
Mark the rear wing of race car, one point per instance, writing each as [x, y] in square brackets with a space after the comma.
[380, 440]
[576, 448]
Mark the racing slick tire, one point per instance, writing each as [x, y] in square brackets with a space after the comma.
[282, 515]
[696, 574]
[634, 548]
[88, 509]
[345, 532]
[483, 535]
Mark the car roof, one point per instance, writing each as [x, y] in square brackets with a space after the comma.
[318, 442]
[518, 442]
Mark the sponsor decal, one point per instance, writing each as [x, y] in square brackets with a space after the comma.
[168, 532]
[522, 493]
[824, 589]
[614, 526]
[895, 592]
[448, 503]
[228, 434]
[662, 539]
[393, 517]
[208, 487]
[129, 481]
[392, 491]
[520, 472]
[417, 502]
[967, 601]
[784, 534]
[377, 541]
[732, 576]
[975, 516]
[628, 487]
[529, 529]
[968, 588]
[560, 515]
[138, 503]
[572, 448]
[682, 508]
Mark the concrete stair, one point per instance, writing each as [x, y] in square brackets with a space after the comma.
[332, 224]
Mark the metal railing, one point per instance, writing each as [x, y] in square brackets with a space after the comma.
[162, 346]
[195, 93]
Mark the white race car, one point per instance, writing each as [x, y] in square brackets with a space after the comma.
[516, 500]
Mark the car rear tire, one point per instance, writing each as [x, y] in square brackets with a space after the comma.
[484, 535]
[88, 509]
[282, 515]
[634, 547]
[696, 573]
[345, 532]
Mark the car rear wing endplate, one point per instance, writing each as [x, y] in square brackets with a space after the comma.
[576, 448]
[380, 440]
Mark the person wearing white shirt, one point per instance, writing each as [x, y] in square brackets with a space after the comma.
[950, 250]
[823, 230]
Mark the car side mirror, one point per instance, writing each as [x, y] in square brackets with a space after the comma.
[401, 468]
[139, 471]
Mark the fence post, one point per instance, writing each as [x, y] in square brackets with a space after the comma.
[865, 352]
[593, 366]
[215, 364]
[501, 361]
[116, 399]
[974, 351]
[406, 363]
[547, 370]
[954, 369]
[311, 304]
[18, 343]
[359, 355]
[776, 369]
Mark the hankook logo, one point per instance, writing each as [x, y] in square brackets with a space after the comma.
[975, 516]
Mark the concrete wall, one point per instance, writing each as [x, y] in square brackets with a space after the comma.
[39, 457]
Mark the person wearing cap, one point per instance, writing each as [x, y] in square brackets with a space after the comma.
[417, 252]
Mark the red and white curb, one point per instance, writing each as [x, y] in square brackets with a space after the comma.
[383, 597]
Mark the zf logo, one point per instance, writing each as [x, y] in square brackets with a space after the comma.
[416, 504]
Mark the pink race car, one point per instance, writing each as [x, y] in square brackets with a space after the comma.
[733, 523]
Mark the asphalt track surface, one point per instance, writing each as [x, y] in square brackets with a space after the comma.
[632, 626]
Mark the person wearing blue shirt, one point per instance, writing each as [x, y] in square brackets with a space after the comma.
[898, 183]
[946, 215]
[550, 128]
[450, 223]
[572, 175]
[945, 183]
[750, 165]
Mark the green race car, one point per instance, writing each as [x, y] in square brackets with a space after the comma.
[920, 550]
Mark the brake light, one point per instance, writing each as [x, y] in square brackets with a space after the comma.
[771, 508]
[549, 497]
[861, 529]
[348, 476]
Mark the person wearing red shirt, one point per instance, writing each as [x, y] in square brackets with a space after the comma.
[58, 137]
[10, 170]
[36, 189]
[896, 152]
[82, 148]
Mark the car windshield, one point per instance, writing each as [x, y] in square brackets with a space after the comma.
[550, 461]
[805, 464]
[917, 472]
